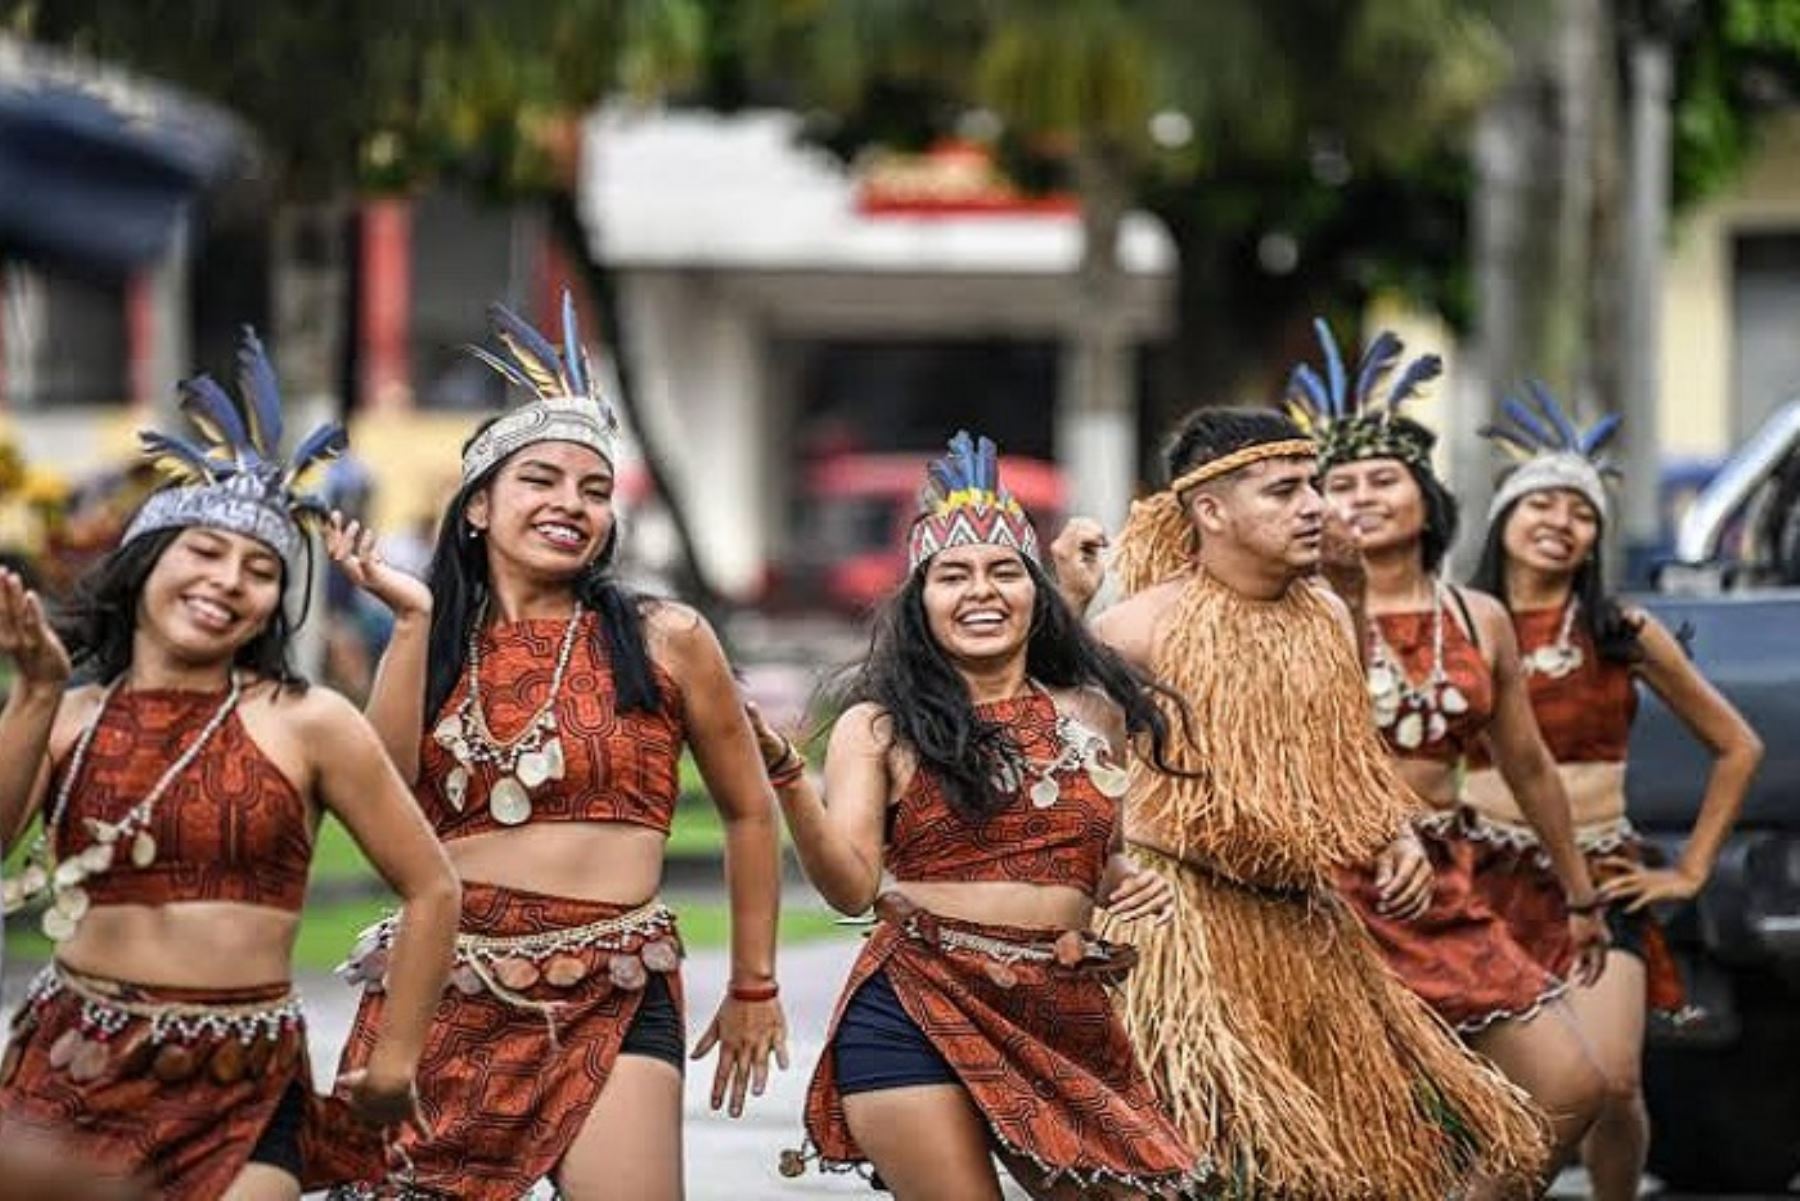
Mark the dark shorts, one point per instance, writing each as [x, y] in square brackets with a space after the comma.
[279, 1144]
[879, 1046]
[657, 1031]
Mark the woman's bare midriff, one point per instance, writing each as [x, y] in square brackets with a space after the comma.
[1051, 907]
[588, 861]
[188, 944]
[1434, 782]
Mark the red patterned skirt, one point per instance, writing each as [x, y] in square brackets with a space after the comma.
[1459, 956]
[1029, 1028]
[1518, 884]
[542, 994]
[171, 1086]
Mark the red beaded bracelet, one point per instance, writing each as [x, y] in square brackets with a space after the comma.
[755, 992]
[788, 771]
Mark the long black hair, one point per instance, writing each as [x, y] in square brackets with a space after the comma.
[458, 578]
[910, 677]
[1615, 634]
[99, 622]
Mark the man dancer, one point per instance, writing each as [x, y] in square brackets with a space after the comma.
[1264, 1014]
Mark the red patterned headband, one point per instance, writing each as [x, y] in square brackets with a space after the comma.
[964, 504]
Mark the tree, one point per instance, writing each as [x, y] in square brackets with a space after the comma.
[351, 97]
[1297, 151]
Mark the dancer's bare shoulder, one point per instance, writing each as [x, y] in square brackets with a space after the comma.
[1131, 627]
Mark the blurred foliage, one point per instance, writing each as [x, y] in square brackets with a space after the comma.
[1740, 59]
[384, 94]
[1304, 153]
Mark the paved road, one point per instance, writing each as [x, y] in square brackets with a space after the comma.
[726, 1160]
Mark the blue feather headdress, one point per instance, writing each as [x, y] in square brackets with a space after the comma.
[234, 477]
[1364, 421]
[569, 402]
[1552, 450]
[963, 503]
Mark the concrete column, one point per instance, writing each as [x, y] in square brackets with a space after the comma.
[700, 377]
[1096, 424]
[1652, 77]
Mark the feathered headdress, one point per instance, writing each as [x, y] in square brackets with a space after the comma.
[568, 404]
[1553, 452]
[234, 478]
[1364, 422]
[963, 503]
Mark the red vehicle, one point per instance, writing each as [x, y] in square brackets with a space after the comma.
[854, 511]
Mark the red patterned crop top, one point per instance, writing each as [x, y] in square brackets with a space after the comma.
[1067, 842]
[617, 767]
[1410, 637]
[1586, 712]
[231, 827]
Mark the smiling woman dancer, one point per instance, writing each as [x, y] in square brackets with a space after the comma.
[181, 782]
[1583, 653]
[980, 767]
[1443, 674]
[541, 711]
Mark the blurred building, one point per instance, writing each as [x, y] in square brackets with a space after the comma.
[781, 308]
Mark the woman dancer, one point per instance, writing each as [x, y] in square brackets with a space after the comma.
[979, 767]
[181, 781]
[1582, 653]
[540, 712]
[1443, 673]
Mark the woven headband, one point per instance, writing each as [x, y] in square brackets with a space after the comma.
[1287, 448]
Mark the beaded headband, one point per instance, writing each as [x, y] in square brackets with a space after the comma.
[235, 480]
[963, 503]
[1359, 424]
[1552, 450]
[569, 401]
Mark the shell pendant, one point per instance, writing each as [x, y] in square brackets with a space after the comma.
[143, 849]
[533, 768]
[57, 925]
[1111, 781]
[1410, 732]
[1452, 701]
[1045, 792]
[456, 787]
[509, 802]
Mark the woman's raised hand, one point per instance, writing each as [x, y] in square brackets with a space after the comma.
[356, 550]
[26, 637]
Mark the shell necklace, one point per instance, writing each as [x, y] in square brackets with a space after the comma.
[1414, 713]
[527, 760]
[69, 900]
[1561, 657]
[1078, 745]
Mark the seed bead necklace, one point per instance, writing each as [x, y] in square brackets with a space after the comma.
[1415, 713]
[528, 759]
[1077, 745]
[1562, 656]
